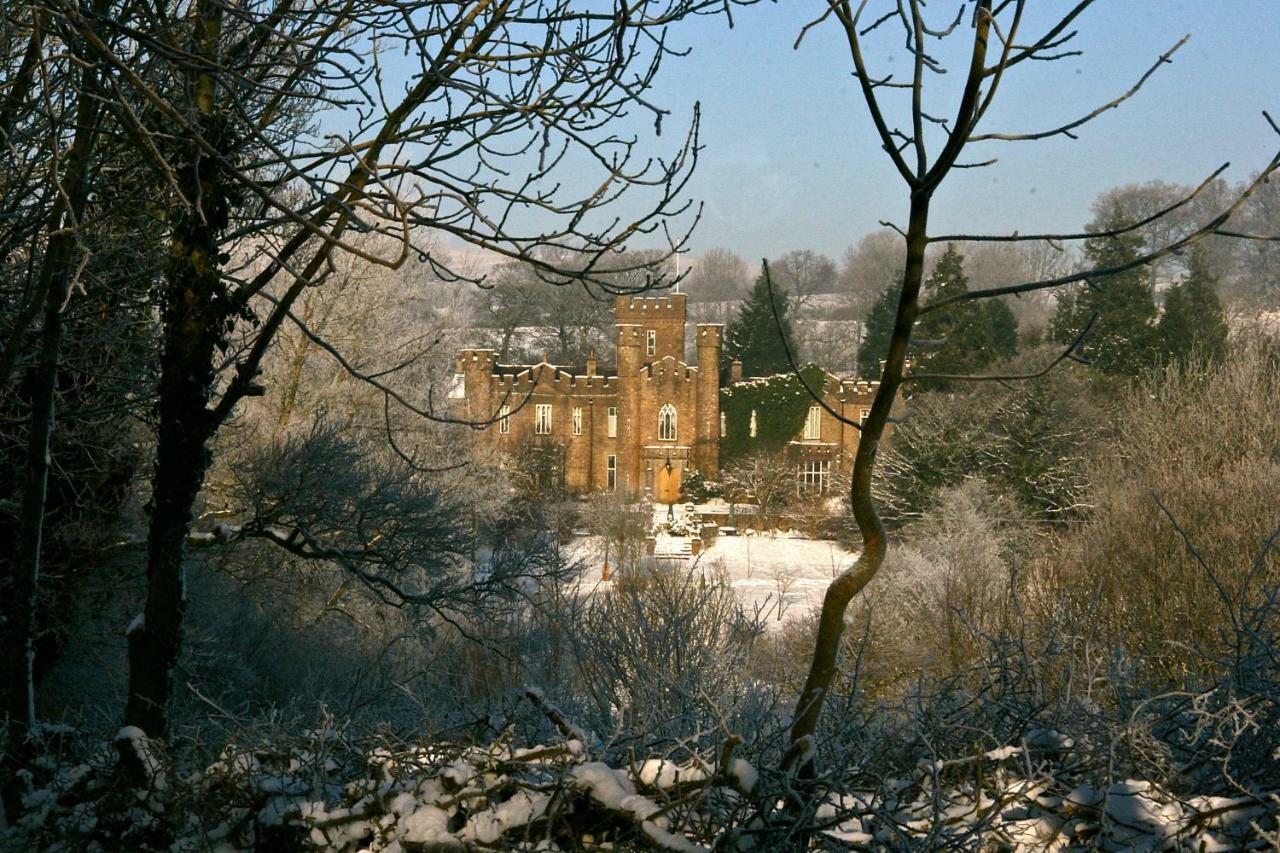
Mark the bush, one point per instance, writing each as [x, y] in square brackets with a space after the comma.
[1206, 445]
[1030, 440]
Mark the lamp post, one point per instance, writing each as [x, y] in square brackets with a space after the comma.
[671, 506]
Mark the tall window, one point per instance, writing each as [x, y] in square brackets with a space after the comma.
[611, 469]
[863, 414]
[813, 423]
[815, 475]
[613, 422]
[667, 423]
[722, 425]
[651, 342]
[753, 423]
[577, 420]
[542, 419]
[504, 420]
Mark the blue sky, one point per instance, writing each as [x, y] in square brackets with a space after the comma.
[791, 161]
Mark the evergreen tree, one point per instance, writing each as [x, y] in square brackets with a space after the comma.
[1123, 339]
[753, 338]
[1193, 322]
[877, 328]
[965, 337]
[1004, 328]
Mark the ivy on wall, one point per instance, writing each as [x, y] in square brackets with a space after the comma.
[780, 404]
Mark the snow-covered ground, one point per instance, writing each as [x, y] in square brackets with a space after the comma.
[785, 576]
[781, 575]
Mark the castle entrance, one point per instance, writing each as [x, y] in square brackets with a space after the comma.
[668, 484]
[664, 472]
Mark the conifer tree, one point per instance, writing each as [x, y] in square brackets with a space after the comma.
[876, 331]
[969, 335]
[1123, 339]
[1004, 328]
[1193, 323]
[753, 338]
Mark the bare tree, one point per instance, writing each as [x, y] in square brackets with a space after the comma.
[718, 275]
[803, 274]
[997, 43]
[868, 267]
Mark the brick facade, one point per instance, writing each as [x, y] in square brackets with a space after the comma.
[636, 427]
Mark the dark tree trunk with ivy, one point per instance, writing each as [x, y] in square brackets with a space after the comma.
[195, 317]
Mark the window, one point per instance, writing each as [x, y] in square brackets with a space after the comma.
[542, 419]
[504, 420]
[611, 469]
[667, 423]
[613, 422]
[577, 420]
[863, 414]
[813, 423]
[815, 475]
[753, 423]
[722, 425]
[651, 342]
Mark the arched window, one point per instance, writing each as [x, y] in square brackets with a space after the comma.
[667, 423]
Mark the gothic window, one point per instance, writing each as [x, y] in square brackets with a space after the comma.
[815, 476]
[577, 420]
[613, 422]
[542, 419]
[504, 420]
[667, 423]
[813, 423]
[651, 342]
[611, 469]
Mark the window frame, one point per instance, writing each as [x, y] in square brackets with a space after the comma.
[504, 419]
[813, 424]
[612, 416]
[814, 477]
[611, 472]
[577, 420]
[668, 423]
[651, 343]
[542, 418]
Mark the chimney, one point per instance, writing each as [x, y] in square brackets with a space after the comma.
[735, 371]
[591, 362]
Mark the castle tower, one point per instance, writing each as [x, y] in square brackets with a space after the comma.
[474, 372]
[706, 447]
[631, 343]
[661, 320]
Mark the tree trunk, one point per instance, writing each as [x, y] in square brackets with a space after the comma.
[822, 670]
[16, 671]
[194, 320]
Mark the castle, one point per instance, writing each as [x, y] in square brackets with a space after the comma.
[636, 428]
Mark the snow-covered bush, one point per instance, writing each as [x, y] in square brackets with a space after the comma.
[662, 657]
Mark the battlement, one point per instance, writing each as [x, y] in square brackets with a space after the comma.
[474, 359]
[669, 366]
[860, 387]
[560, 381]
[710, 334]
[649, 308]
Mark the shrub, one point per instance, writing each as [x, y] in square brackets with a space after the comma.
[1206, 445]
